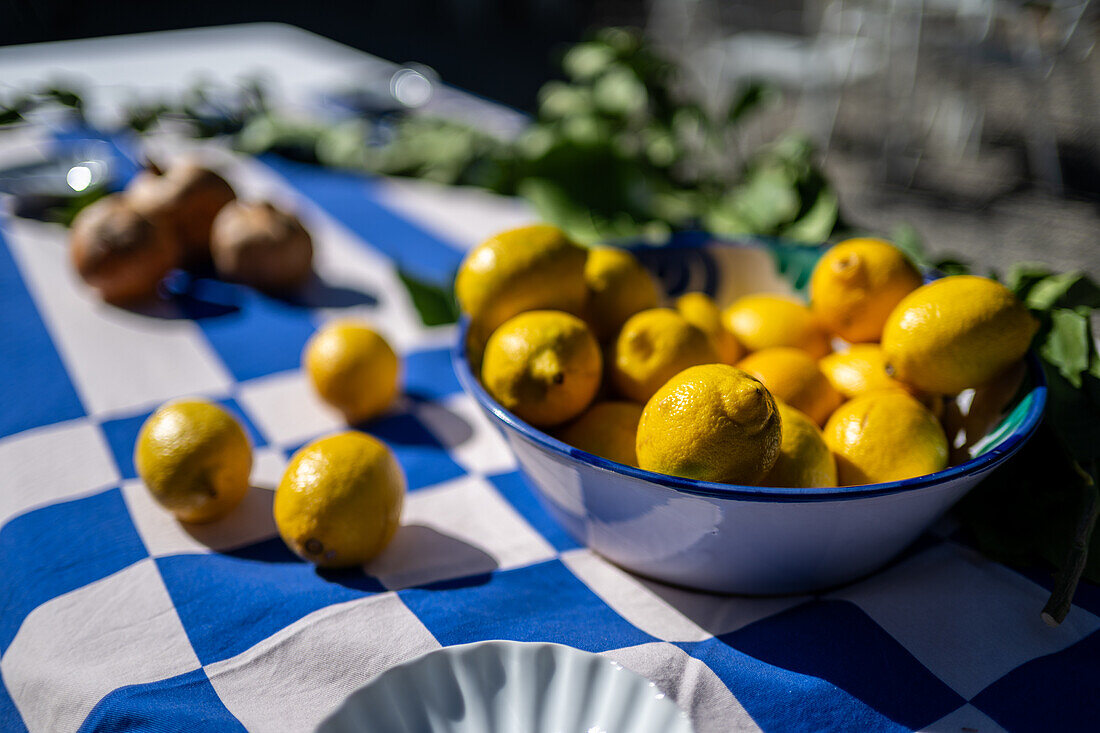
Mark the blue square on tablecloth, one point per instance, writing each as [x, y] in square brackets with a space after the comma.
[425, 460]
[1055, 692]
[37, 389]
[122, 433]
[59, 548]
[185, 703]
[543, 602]
[255, 335]
[826, 665]
[10, 719]
[429, 374]
[229, 602]
[513, 487]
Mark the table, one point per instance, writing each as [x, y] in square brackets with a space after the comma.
[113, 616]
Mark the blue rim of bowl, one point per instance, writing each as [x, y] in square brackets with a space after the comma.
[980, 464]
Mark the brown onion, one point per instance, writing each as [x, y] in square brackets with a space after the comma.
[262, 246]
[189, 196]
[119, 252]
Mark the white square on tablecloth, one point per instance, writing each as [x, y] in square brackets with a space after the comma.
[630, 599]
[51, 463]
[463, 527]
[691, 683]
[292, 680]
[118, 360]
[78, 647]
[287, 410]
[250, 522]
[471, 440]
[968, 620]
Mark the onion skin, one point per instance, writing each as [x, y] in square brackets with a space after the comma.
[262, 246]
[120, 253]
[189, 196]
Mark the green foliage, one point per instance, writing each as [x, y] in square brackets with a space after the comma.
[1041, 506]
[436, 306]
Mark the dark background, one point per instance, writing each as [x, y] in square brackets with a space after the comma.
[501, 49]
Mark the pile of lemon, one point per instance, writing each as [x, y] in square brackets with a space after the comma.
[856, 386]
[340, 498]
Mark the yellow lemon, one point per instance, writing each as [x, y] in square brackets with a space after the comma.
[856, 285]
[545, 366]
[352, 368]
[653, 346]
[804, 459]
[885, 436]
[339, 502]
[859, 370]
[793, 377]
[956, 333]
[529, 268]
[618, 287]
[700, 310]
[763, 321]
[607, 429]
[711, 422]
[195, 458]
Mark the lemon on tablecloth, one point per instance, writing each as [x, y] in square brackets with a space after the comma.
[353, 368]
[339, 501]
[195, 458]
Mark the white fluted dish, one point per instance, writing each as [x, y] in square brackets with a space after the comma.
[505, 686]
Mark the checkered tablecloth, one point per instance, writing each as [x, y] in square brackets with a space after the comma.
[113, 616]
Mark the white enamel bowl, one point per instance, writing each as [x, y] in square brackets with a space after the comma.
[506, 686]
[740, 539]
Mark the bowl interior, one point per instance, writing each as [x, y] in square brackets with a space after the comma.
[726, 270]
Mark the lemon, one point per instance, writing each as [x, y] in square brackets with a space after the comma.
[195, 459]
[804, 459]
[793, 376]
[607, 429]
[529, 268]
[339, 501]
[618, 287]
[713, 423]
[956, 333]
[544, 366]
[859, 370]
[653, 346]
[700, 310]
[856, 285]
[352, 368]
[885, 436]
[763, 321]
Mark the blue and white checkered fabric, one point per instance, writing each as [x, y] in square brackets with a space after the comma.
[113, 616]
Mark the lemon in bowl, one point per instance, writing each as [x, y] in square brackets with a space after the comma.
[743, 537]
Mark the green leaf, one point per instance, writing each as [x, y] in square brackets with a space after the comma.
[818, 223]
[1024, 275]
[1067, 344]
[906, 238]
[619, 91]
[1066, 290]
[588, 60]
[558, 100]
[436, 305]
[768, 200]
[951, 266]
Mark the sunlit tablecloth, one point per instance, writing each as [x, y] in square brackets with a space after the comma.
[113, 616]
